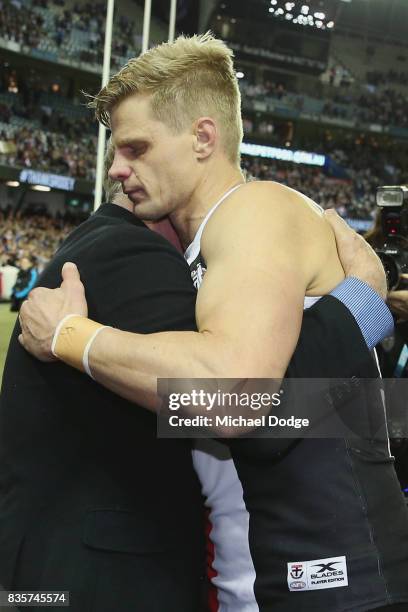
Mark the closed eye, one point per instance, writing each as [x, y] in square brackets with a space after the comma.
[133, 151]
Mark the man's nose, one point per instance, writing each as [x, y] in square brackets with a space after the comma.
[119, 170]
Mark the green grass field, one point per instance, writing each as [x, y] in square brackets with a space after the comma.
[7, 320]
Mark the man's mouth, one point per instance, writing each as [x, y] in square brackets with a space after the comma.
[136, 195]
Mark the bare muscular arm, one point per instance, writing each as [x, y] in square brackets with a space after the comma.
[249, 307]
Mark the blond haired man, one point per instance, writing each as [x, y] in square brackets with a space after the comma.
[258, 252]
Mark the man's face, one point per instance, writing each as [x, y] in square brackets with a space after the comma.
[156, 167]
[25, 263]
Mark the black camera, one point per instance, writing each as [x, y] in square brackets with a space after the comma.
[393, 202]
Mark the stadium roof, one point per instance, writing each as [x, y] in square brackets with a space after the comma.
[384, 19]
[381, 19]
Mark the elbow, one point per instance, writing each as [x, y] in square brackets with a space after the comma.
[244, 367]
[230, 358]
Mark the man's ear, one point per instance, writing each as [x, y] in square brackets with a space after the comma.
[205, 132]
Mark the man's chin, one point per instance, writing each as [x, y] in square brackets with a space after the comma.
[138, 209]
[144, 212]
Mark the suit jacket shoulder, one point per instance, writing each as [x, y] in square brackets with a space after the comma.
[134, 278]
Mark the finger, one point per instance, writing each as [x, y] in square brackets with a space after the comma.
[70, 272]
[344, 233]
[333, 217]
[398, 296]
[71, 279]
[22, 313]
[38, 292]
[341, 230]
[21, 341]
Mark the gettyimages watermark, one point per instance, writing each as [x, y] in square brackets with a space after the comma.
[292, 408]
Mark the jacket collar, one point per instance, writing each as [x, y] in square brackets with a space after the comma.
[118, 212]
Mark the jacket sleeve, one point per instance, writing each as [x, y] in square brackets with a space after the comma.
[331, 344]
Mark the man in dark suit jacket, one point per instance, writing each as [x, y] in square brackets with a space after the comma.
[90, 500]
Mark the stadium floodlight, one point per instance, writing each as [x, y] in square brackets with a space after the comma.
[271, 10]
[319, 16]
[289, 6]
[289, 16]
[304, 10]
[330, 24]
[274, 2]
[240, 75]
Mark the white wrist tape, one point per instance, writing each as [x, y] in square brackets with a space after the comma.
[57, 332]
[85, 358]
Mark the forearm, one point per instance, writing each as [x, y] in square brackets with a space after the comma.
[129, 364]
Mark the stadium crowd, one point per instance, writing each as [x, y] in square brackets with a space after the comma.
[25, 25]
[28, 96]
[29, 147]
[31, 235]
[36, 134]
[364, 166]
[378, 78]
[353, 197]
[52, 152]
[20, 24]
[386, 107]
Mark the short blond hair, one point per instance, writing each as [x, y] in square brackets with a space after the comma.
[187, 79]
[110, 187]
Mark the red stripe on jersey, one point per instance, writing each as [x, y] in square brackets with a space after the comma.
[211, 572]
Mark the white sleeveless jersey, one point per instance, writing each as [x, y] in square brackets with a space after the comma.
[233, 567]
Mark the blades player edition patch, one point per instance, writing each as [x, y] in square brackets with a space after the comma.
[317, 574]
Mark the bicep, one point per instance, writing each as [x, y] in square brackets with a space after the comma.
[253, 299]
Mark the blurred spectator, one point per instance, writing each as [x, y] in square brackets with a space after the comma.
[26, 279]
